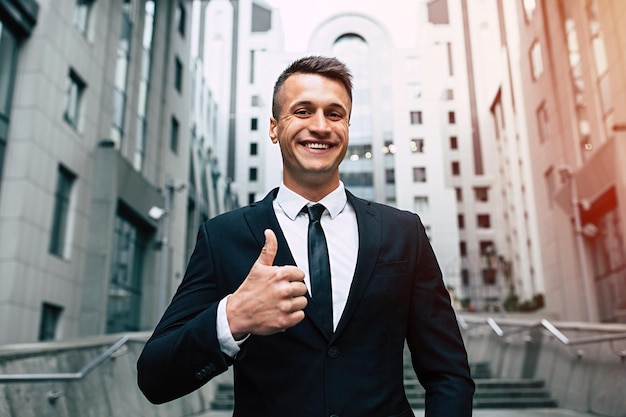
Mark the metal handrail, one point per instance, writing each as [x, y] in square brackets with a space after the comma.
[67, 376]
[551, 328]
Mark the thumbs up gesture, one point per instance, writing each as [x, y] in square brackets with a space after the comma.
[270, 299]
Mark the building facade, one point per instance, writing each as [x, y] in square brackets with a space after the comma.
[107, 164]
[574, 81]
[556, 102]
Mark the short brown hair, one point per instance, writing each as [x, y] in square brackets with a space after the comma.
[325, 66]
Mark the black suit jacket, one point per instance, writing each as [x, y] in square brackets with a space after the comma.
[397, 295]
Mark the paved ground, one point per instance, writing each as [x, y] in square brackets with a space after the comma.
[531, 412]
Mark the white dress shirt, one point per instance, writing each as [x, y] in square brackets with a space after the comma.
[342, 237]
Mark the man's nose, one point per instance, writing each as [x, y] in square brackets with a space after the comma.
[319, 123]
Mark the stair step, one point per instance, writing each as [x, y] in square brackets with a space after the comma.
[514, 403]
[509, 383]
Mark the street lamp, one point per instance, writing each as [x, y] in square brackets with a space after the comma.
[567, 176]
[158, 213]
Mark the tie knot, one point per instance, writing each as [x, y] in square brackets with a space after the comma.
[315, 212]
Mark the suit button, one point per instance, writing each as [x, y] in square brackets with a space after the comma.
[199, 375]
[333, 352]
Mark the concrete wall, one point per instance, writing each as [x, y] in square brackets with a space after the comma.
[587, 377]
[110, 390]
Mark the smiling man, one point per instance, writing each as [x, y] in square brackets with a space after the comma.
[312, 293]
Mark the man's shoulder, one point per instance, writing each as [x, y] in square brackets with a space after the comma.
[384, 209]
[237, 214]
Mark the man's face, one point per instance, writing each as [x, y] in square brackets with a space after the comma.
[312, 131]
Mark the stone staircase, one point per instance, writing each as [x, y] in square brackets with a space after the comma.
[490, 392]
[224, 397]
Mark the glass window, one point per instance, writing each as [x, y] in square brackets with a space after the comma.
[481, 194]
[59, 239]
[543, 123]
[82, 10]
[121, 73]
[178, 75]
[254, 124]
[73, 97]
[124, 295]
[465, 277]
[417, 145]
[489, 276]
[416, 117]
[357, 179]
[459, 194]
[451, 117]
[144, 86]
[174, 133]
[483, 221]
[460, 220]
[450, 61]
[8, 59]
[536, 60]
[357, 152]
[529, 8]
[551, 185]
[421, 204]
[419, 174]
[252, 65]
[253, 174]
[487, 247]
[390, 176]
[181, 17]
[254, 148]
[463, 248]
[50, 315]
[456, 168]
[454, 142]
[261, 18]
[389, 148]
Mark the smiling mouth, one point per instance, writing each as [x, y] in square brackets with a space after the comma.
[317, 145]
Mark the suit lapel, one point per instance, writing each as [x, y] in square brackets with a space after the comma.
[370, 235]
[261, 216]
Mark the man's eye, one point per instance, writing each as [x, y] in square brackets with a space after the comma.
[335, 116]
[301, 112]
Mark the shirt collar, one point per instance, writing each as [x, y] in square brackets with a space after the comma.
[291, 203]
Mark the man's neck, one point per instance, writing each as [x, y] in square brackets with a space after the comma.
[313, 194]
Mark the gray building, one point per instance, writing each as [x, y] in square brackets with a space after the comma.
[106, 167]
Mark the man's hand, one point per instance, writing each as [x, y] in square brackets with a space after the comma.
[270, 299]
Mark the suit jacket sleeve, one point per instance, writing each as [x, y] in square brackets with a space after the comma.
[183, 352]
[437, 350]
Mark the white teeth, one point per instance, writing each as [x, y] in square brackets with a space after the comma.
[317, 145]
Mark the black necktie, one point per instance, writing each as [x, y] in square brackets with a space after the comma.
[319, 268]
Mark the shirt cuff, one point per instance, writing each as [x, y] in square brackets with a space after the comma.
[228, 344]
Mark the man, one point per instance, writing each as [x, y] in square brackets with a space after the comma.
[249, 299]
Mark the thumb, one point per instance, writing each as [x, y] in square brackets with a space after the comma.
[268, 253]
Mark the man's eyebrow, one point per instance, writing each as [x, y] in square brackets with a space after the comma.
[309, 103]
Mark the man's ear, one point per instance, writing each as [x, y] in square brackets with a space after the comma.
[273, 130]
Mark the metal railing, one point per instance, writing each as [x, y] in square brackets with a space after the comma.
[525, 325]
[67, 376]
